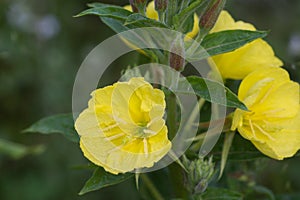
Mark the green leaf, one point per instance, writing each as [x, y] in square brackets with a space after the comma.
[101, 179]
[62, 123]
[221, 194]
[104, 10]
[222, 42]
[17, 151]
[225, 41]
[226, 147]
[181, 19]
[211, 91]
[137, 20]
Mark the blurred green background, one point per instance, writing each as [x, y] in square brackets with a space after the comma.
[41, 48]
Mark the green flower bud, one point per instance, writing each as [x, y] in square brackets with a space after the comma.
[199, 174]
[161, 5]
[210, 16]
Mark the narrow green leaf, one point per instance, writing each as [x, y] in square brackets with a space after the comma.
[221, 42]
[171, 12]
[137, 178]
[220, 193]
[17, 151]
[226, 147]
[139, 21]
[104, 10]
[62, 123]
[101, 179]
[211, 91]
[180, 19]
[225, 41]
[116, 25]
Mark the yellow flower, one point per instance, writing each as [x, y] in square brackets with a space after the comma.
[123, 127]
[272, 124]
[239, 63]
[152, 14]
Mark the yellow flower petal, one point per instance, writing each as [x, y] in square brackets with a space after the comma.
[272, 124]
[239, 63]
[285, 143]
[122, 129]
[195, 29]
[151, 12]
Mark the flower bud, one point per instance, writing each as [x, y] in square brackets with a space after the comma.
[161, 5]
[210, 16]
[138, 5]
[177, 55]
[199, 174]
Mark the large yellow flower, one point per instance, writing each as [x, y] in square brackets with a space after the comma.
[239, 63]
[272, 124]
[123, 127]
[152, 14]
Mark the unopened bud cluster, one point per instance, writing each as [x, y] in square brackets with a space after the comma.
[199, 174]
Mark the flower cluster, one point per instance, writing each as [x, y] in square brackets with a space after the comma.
[123, 127]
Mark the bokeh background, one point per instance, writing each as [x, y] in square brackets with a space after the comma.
[41, 47]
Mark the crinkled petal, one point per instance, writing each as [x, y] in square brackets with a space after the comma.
[130, 156]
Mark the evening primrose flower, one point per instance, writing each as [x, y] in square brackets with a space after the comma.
[152, 14]
[123, 127]
[272, 122]
[239, 63]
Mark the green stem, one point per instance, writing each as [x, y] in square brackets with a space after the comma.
[177, 178]
[172, 116]
[156, 194]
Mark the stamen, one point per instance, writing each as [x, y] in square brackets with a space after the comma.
[264, 132]
[266, 95]
[273, 111]
[152, 121]
[115, 136]
[252, 129]
[109, 127]
[147, 131]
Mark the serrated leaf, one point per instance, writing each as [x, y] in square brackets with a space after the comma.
[137, 20]
[101, 179]
[17, 151]
[62, 123]
[221, 194]
[221, 42]
[211, 91]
